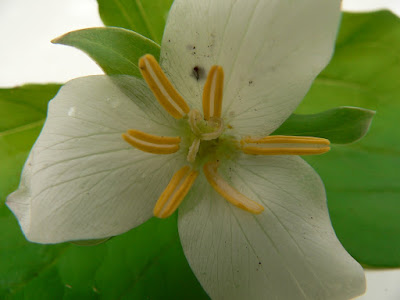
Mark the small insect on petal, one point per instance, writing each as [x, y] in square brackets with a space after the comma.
[228, 192]
[152, 143]
[175, 191]
[213, 93]
[162, 88]
[285, 145]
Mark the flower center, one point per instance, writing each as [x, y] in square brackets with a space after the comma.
[203, 130]
[207, 128]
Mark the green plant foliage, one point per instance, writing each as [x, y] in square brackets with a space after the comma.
[115, 50]
[22, 114]
[145, 263]
[146, 17]
[363, 179]
[341, 125]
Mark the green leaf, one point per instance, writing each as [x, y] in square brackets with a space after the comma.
[363, 179]
[341, 125]
[145, 263]
[115, 50]
[145, 17]
[22, 114]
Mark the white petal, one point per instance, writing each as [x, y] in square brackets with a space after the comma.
[271, 52]
[82, 181]
[289, 251]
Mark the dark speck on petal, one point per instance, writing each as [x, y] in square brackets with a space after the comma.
[198, 73]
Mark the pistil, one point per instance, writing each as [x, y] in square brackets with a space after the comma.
[209, 130]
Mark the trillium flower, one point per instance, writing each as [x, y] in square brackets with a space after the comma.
[252, 215]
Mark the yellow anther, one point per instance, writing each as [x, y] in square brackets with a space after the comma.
[212, 93]
[228, 192]
[162, 88]
[152, 143]
[175, 191]
[285, 145]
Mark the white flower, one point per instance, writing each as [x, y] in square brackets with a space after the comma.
[83, 181]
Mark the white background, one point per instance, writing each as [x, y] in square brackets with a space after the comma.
[26, 55]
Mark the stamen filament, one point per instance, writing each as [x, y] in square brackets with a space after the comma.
[175, 192]
[285, 145]
[228, 192]
[213, 92]
[152, 143]
[162, 88]
[194, 148]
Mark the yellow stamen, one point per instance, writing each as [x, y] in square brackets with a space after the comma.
[228, 192]
[285, 145]
[162, 88]
[212, 93]
[152, 143]
[174, 193]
